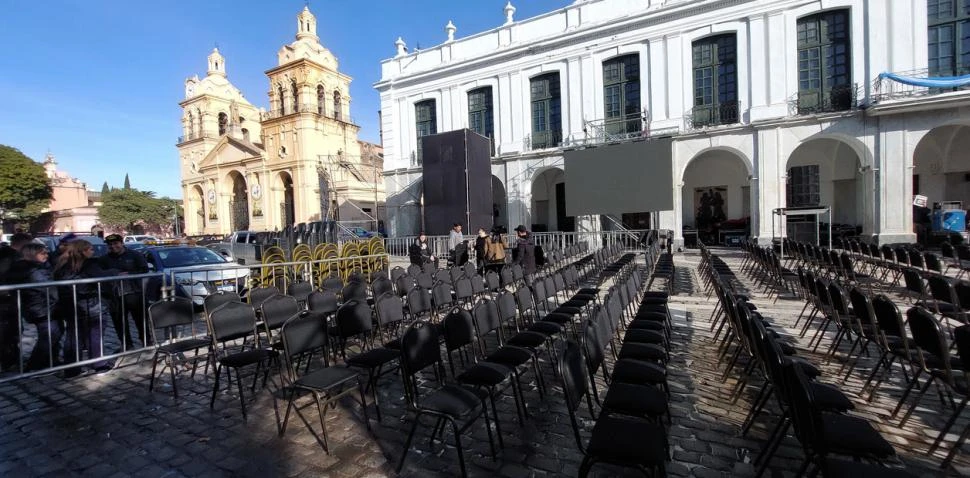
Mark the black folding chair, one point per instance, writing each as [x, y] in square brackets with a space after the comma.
[170, 316]
[229, 323]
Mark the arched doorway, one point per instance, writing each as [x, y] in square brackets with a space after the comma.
[941, 173]
[825, 172]
[500, 203]
[716, 196]
[287, 205]
[198, 202]
[549, 202]
[239, 204]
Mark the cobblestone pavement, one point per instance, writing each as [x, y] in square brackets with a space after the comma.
[111, 425]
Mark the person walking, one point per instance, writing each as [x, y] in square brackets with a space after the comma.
[86, 322]
[481, 249]
[9, 319]
[128, 298]
[37, 305]
[525, 250]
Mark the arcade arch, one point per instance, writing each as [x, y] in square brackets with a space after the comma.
[826, 172]
[716, 193]
[549, 202]
[238, 202]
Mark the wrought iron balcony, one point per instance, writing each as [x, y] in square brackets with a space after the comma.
[837, 98]
[713, 115]
[193, 136]
[543, 140]
[884, 89]
[308, 108]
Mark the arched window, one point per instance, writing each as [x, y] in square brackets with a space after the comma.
[200, 132]
[621, 94]
[191, 132]
[824, 62]
[279, 94]
[336, 105]
[546, 111]
[715, 80]
[296, 96]
[245, 133]
[223, 123]
[321, 100]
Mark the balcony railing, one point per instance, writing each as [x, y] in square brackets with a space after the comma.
[307, 108]
[608, 130]
[712, 115]
[883, 89]
[543, 140]
[193, 136]
[837, 98]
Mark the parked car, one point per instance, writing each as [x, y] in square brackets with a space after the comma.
[364, 233]
[243, 247]
[140, 238]
[100, 248]
[193, 272]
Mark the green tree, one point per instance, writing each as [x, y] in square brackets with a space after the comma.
[25, 189]
[127, 182]
[104, 188]
[129, 208]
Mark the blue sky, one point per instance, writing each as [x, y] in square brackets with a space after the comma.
[98, 82]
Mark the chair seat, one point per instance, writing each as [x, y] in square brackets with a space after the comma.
[653, 301]
[327, 378]
[574, 303]
[452, 400]
[830, 398]
[853, 436]
[183, 346]
[589, 290]
[393, 345]
[373, 358]
[654, 316]
[646, 324]
[528, 338]
[558, 318]
[568, 310]
[645, 336]
[546, 327]
[808, 368]
[836, 468]
[484, 374]
[611, 441]
[637, 400]
[656, 294]
[510, 356]
[638, 371]
[641, 351]
[249, 357]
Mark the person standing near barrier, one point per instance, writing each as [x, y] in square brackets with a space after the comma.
[420, 252]
[37, 305]
[455, 238]
[9, 320]
[481, 250]
[128, 298]
[495, 251]
[525, 250]
[90, 314]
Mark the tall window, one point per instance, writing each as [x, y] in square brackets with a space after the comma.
[321, 100]
[336, 106]
[621, 94]
[715, 62]
[824, 79]
[949, 37]
[223, 123]
[480, 115]
[803, 186]
[546, 111]
[425, 122]
[296, 96]
[279, 93]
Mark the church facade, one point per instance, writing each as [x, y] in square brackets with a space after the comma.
[769, 103]
[248, 168]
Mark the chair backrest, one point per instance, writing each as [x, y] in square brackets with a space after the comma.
[518, 274]
[932, 262]
[414, 270]
[353, 319]
[300, 290]
[381, 286]
[574, 375]
[276, 310]
[469, 269]
[354, 290]
[505, 274]
[913, 281]
[962, 291]
[915, 258]
[947, 250]
[507, 308]
[862, 306]
[390, 310]
[928, 335]
[404, 283]
[523, 299]
[397, 272]
[806, 418]
[837, 299]
[961, 337]
[442, 276]
[463, 288]
[332, 283]
[492, 281]
[441, 294]
[213, 301]
[259, 294]
[940, 288]
[487, 319]
[302, 334]
[456, 273]
[231, 321]
[322, 302]
[459, 329]
[425, 280]
[478, 284]
[419, 350]
[428, 268]
[171, 313]
[888, 317]
[419, 301]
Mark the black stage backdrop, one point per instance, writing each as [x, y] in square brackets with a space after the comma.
[457, 181]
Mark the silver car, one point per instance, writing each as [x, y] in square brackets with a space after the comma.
[195, 272]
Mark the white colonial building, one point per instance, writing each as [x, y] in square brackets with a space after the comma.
[771, 104]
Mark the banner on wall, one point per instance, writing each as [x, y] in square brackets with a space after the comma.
[710, 203]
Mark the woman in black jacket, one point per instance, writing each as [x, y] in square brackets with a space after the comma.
[87, 321]
[36, 304]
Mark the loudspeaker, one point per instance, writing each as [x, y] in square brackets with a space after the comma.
[457, 181]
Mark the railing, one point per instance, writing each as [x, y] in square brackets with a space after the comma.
[307, 108]
[607, 130]
[883, 90]
[712, 115]
[81, 315]
[193, 136]
[838, 98]
[543, 140]
[398, 246]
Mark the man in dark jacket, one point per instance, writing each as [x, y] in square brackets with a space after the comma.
[37, 304]
[525, 250]
[420, 252]
[9, 321]
[128, 297]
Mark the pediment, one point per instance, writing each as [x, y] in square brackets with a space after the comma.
[230, 151]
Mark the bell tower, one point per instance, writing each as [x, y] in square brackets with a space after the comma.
[306, 26]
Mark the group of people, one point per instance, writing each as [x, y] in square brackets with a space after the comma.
[490, 249]
[69, 318]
